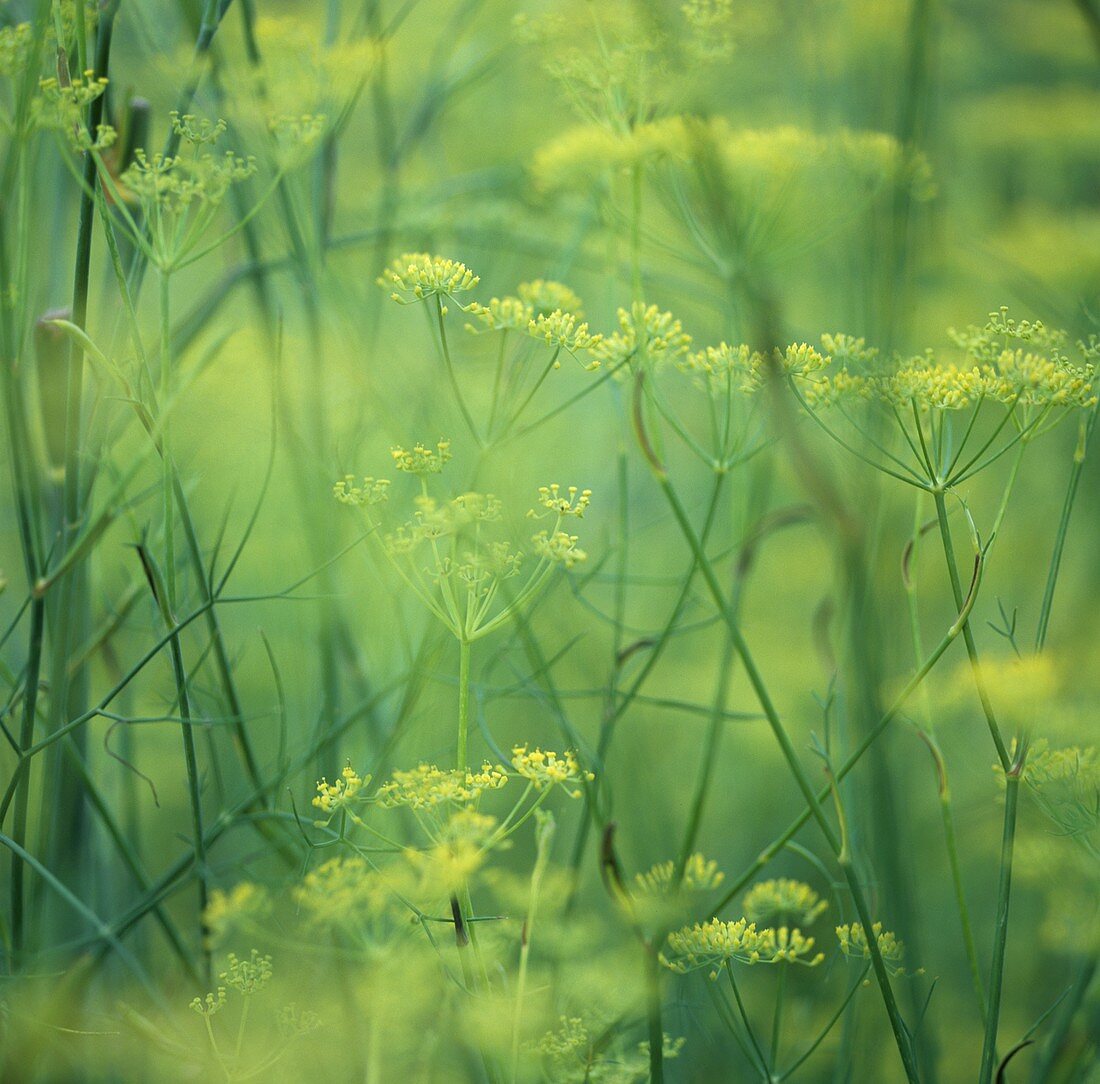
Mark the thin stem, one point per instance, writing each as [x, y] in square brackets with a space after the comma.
[1000, 934]
[795, 1065]
[449, 365]
[901, 1034]
[463, 702]
[968, 636]
[1063, 528]
[765, 1069]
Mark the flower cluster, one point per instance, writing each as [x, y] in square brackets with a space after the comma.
[545, 310]
[549, 769]
[369, 491]
[16, 42]
[853, 943]
[785, 901]
[1066, 785]
[715, 943]
[416, 276]
[1003, 361]
[62, 106]
[244, 903]
[545, 296]
[564, 331]
[467, 567]
[558, 548]
[572, 502]
[699, 875]
[336, 795]
[247, 976]
[422, 460]
[645, 332]
[426, 786]
[175, 183]
[340, 891]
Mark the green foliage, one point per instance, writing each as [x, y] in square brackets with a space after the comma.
[490, 777]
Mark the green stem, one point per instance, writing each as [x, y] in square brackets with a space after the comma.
[1000, 934]
[968, 636]
[777, 1019]
[462, 759]
[654, 1024]
[22, 799]
[1063, 528]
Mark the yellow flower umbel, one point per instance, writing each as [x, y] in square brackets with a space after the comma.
[336, 796]
[646, 334]
[238, 908]
[1016, 374]
[422, 460]
[426, 786]
[853, 943]
[179, 194]
[417, 276]
[548, 769]
[446, 553]
[716, 943]
[700, 875]
[783, 901]
[342, 891]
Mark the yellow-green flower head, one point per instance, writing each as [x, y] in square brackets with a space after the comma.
[296, 135]
[548, 769]
[501, 314]
[294, 1021]
[848, 350]
[559, 547]
[562, 330]
[644, 332]
[416, 276]
[853, 943]
[460, 849]
[477, 507]
[211, 1004]
[247, 976]
[426, 786]
[479, 572]
[700, 875]
[242, 904]
[15, 48]
[422, 460]
[711, 944]
[1066, 786]
[718, 362]
[369, 491]
[711, 25]
[570, 1038]
[586, 153]
[196, 130]
[338, 794]
[546, 296]
[801, 359]
[929, 386]
[341, 890]
[783, 901]
[570, 502]
[174, 184]
[63, 107]
[839, 387]
[1026, 361]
